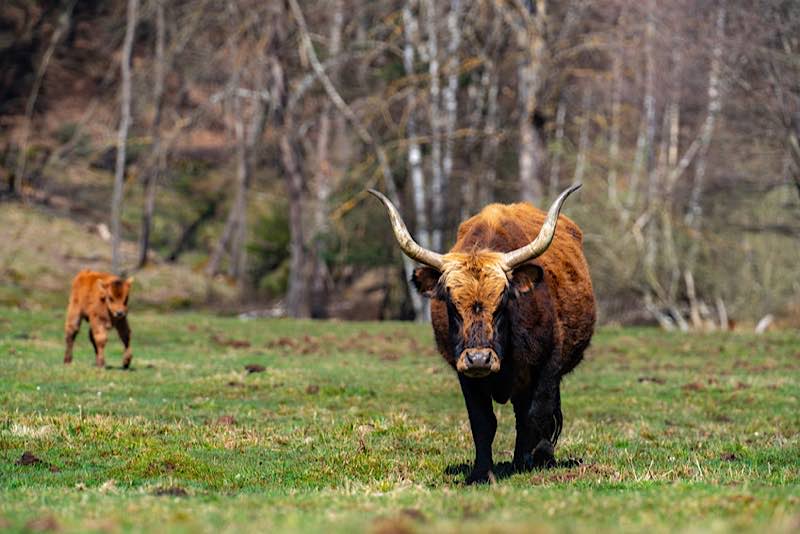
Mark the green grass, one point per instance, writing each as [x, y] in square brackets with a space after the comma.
[362, 427]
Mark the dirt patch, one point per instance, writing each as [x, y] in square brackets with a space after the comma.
[235, 384]
[386, 346]
[230, 342]
[413, 514]
[28, 458]
[45, 523]
[392, 525]
[254, 368]
[729, 457]
[312, 389]
[653, 379]
[226, 420]
[170, 491]
[693, 386]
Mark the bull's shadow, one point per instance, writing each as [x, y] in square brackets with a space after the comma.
[503, 470]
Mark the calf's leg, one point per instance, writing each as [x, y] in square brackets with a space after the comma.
[124, 331]
[71, 328]
[98, 336]
[483, 424]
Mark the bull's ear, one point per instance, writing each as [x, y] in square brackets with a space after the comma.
[426, 280]
[129, 281]
[525, 277]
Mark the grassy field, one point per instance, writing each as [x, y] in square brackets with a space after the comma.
[362, 427]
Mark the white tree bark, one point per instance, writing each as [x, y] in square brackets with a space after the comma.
[531, 149]
[583, 143]
[122, 132]
[558, 150]
[644, 141]
[157, 158]
[418, 193]
[435, 112]
[450, 94]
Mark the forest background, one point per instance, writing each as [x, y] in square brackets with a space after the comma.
[220, 151]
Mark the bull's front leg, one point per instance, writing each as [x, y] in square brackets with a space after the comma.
[524, 443]
[546, 419]
[483, 424]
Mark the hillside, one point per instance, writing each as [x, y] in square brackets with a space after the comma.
[41, 250]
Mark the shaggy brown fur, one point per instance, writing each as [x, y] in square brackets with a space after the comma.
[536, 322]
[102, 300]
[473, 275]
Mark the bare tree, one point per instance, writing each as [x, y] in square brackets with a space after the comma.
[418, 187]
[157, 157]
[530, 39]
[122, 133]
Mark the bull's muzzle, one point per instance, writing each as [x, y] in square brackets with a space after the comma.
[478, 362]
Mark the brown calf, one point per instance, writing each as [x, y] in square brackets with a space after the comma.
[101, 299]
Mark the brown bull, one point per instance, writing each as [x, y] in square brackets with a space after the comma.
[102, 300]
[513, 310]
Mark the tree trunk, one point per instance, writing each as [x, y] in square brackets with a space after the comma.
[157, 157]
[558, 151]
[450, 96]
[297, 294]
[324, 177]
[438, 186]
[529, 79]
[122, 133]
[418, 189]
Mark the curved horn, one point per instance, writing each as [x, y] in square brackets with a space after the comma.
[404, 239]
[537, 247]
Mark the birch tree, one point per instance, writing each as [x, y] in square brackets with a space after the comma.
[157, 156]
[122, 132]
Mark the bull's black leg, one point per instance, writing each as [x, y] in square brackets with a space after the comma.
[525, 433]
[546, 420]
[483, 424]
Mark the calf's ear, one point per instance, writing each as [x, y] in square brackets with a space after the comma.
[525, 277]
[426, 280]
[102, 286]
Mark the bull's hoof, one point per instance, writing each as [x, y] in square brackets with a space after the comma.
[524, 464]
[126, 365]
[480, 477]
[543, 456]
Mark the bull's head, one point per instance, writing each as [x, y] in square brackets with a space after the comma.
[477, 287]
[114, 294]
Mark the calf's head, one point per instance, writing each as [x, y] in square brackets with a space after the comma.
[477, 287]
[114, 295]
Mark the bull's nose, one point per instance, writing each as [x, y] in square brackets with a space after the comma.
[119, 314]
[478, 358]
